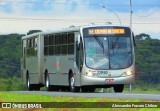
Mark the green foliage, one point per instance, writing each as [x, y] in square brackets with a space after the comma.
[33, 31]
[148, 60]
[10, 51]
[104, 102]
[143, 36]
[11, 84]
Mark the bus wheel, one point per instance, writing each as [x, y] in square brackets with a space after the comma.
[29, 86]
[48, 86]
[118, 88]
[73, 88]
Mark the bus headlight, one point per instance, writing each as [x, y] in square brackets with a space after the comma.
[90, 74]
[129, 73]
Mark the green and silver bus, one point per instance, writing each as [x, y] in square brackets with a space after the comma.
[79, 59]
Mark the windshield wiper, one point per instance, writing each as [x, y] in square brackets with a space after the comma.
[100, 43]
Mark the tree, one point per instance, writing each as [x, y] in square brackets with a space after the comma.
[33, 31]
[143, 36]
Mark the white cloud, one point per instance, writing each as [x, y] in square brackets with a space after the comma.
[147, 22]
[63, 17]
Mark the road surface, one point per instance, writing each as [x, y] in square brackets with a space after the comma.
[155, 97]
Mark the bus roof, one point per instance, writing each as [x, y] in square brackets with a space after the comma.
[72, 29]
[87, 26]
[31, 35]
[64, 30]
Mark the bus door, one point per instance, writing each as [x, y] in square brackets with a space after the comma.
[79, 53]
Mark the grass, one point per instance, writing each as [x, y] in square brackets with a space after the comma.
[142, 92]
[144, 88]
[13, 97]
[150, 90]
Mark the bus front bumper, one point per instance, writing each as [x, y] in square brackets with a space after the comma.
[87, 81]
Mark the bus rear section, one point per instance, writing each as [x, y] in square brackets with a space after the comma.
[30, 61]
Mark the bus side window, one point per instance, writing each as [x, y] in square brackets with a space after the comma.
[51, 45]
[46, 43]
[64, 44]
[51, 39]
[35, 46]
[46, 40]
[27, 48]
[70, 43]
[58, 42]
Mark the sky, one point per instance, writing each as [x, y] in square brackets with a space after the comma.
[20, 16]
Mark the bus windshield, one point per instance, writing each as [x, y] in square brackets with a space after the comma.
[108, 52]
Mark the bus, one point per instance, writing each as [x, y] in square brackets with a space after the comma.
[79, 59]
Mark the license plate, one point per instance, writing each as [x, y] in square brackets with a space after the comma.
[109, 80]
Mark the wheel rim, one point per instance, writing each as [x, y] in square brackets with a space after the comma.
[72, 82]
[28, 83]
[47, 82]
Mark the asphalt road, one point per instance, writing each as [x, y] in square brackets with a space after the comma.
[155, 97]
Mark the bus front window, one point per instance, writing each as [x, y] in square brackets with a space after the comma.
[96, 49]
[120, 52]
[108, 52]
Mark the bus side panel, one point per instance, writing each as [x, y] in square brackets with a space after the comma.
[68, 64]
[77, 77]
[57, 71]
[58, 68]
[32, 58]
[50, 66]
[64, 69]
[31, 66]
[40, 52]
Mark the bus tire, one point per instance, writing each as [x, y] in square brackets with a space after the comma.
[118, 88]
[73, 88]
[47, 82]
[29, 86]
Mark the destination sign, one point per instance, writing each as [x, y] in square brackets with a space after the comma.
[106, 31]
[111, 31]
